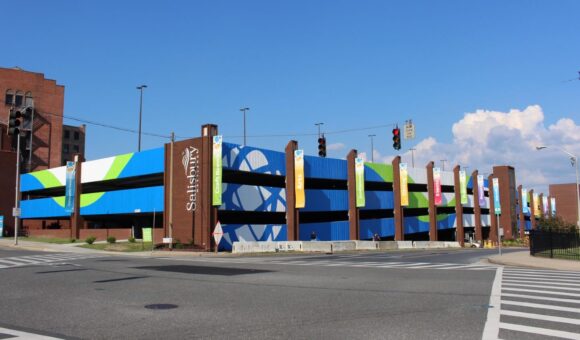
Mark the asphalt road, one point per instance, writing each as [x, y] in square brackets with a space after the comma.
[396, 295]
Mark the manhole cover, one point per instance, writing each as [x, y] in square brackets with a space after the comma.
[161, 306]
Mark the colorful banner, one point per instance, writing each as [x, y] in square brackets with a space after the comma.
[404, 178]
[553, 205]
[299, 178]
[147, 234]
[480, 190]
[217, 171]
[525, 208]
[536, 203]
[545, 205]
[359, 173]
[70, 187]
[496, 201]
[437, 186]
[1, 226]
[463, 186]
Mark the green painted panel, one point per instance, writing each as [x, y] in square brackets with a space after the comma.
[47, 179]
[118, 165]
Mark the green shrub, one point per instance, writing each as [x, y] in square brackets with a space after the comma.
[555, 224]
[72, 240]
[131, 239]
[111, 239]
[90, 240]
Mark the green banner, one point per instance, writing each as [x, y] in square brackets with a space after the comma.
[359, 172]
[463, 186]
[147, 234]
[217, 171]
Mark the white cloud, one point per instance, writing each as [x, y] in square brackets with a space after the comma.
[485, 138]
[335, 146]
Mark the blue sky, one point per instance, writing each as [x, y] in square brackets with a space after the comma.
[349, 64]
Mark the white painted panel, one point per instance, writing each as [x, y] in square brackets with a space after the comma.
[419, 175]
[95, 171]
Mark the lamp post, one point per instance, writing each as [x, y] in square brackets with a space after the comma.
[372, 149]
[412, 157]
[574, 160]
[244, 111]
[140, 88]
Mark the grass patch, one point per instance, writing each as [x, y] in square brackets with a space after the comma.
[120, 246]
[47, 239]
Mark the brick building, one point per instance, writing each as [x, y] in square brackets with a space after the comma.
[41, 148]
[73, 142]
[566, 202]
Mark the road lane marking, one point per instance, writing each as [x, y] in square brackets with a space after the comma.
[540, 306]
[25, 335]
[550, 272]
[539, 286]
[491, 329]
[542, 275]
[543, 283]
[540, 317]
[543, 298]
[539, 278]
[541, 291]
[538, 330]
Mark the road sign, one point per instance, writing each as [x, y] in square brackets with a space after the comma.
[147, 235]
[218, 233]
[16, 212]
[409, 130]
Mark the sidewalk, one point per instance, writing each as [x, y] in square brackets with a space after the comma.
[524, 259]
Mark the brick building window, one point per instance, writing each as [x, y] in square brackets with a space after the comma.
[77, 136]
[28, 99]
[76, 148]
[19, 99]
[66, 134]
[9, 99]
[65, 148]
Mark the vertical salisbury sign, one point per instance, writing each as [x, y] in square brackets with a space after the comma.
[359, 172]
[299, 178]
[496, 202]
[69, 200]
[437, 186]
[525, 208]
[480, 191]
[217, 171]
[463, 186]
[404, 175]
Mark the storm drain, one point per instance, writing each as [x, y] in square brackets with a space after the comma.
[161, 306]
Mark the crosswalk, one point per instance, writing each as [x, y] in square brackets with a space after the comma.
[534, 303]
[6, 333]
[44, 259]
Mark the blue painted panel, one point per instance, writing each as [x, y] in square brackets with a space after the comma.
[127, 201]
[42, 207]
[145, 163]
[253, 198]
[379, 200]
[414, 225]
[29, 183]
[446, 223]
[385, 227]
[328, 168]
[326, 231]
[252, 232]
[326, 200]
[246, 158]
[371, 175]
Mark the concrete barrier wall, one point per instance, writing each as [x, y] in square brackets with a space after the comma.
[388, 245]
[317, 246]
[343, 246]
[366, 245]
[254, 247]
[405, 244]
[290, 246]
[452, 245]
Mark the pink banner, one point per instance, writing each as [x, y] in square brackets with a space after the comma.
[437, 186]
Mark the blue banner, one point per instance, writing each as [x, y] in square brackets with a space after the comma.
[70, 189]
[496, 203]
[1, 226]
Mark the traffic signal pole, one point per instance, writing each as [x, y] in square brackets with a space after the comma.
[17, 190]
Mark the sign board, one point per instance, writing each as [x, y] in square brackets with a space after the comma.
[1, 226]
[70, 187]
[167, 240]
[403, 173]
[500, 231]
[496, 201]
[147, 234]
[437, 186]
[463, 186]
[525, 208]
[16, 212]
[409, 130]
[218, 233]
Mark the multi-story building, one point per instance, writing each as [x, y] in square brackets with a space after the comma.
[42, 143]
[73, 142]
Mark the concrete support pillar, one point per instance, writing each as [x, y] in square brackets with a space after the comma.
[432, 208]
[208, 212]
[292, 215]
[493, 229]
[398, 208]
[76, 220]
[353, 211]
[476, 207]
[460, 232]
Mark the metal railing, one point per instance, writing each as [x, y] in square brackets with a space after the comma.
[559, 244]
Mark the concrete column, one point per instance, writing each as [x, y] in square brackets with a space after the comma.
[398, 208]
[432, 207]
[493, 218]
[549, 207]
[292, 215]
[532, 210]
[76, 220]
[507, 192]
[207, 211]
[476, 207]
[460, 232]
[521, 213]
[353, 211]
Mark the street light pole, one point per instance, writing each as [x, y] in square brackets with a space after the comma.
[574, 160]
[412, 157]
[372, 149]
[140, 88]
[318, 125]
[244, 111]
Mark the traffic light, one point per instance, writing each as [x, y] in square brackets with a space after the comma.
[396, 138]
[14, 122]
[322, 146]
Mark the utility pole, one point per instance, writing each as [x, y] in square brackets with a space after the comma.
[244, 111]
[140, 88]
[412, 157]
[17, 190]
[318, 125]
[372, 149]
[171, 191]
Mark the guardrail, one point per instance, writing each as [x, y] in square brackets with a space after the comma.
[555, 244]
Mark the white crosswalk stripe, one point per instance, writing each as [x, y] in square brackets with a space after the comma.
[539, 302]
[6, 333]
[32, 260]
